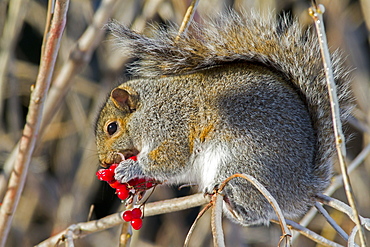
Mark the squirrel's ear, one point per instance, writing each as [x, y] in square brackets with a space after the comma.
[123, 99]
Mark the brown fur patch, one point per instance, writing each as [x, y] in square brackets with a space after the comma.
[199, 133]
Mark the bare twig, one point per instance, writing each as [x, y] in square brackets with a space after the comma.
[201, 213]
[126, 229]
[126, 234]
[316, 13]
[270, 199]
[69, 235]
[49, 15]
[314, 4]
[352, 236]
[311, 235]
[150, 209]
[338, 180]
[90, 212]
[331, 221]
[31, 130]
[187, 18]
[341, 206]
[216, 220]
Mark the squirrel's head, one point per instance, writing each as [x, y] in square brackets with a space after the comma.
[111, 129]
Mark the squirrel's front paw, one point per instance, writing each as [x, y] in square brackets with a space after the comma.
[210, 189]
[128, 170]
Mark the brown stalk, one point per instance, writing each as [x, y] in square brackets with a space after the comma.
[270, 199]
[316, 13]
[150, 209]
[33, 122]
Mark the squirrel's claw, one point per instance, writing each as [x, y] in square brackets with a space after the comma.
[128, 170]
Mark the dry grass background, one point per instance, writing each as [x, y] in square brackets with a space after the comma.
[61, 185]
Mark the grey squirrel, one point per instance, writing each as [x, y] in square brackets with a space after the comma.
[233, 95]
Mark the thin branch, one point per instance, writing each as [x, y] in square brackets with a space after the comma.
[126, 230]
[331, 221]
[270, 199]
[216, 220]
[69, 236]
[126, 234]
[150, 209]
[187, 18]
[311, 235]
[316, 13]
[338, 180]
[49, 15]
[33, 122]
[201, 213]
[314, 4]
[341, 206]
[352, 236]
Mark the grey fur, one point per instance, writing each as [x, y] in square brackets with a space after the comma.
[128, 170]
[242, 93]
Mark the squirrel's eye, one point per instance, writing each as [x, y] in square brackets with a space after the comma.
[112, 128]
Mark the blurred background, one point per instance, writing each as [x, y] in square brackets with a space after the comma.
[61, 187]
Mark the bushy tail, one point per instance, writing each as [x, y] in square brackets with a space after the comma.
[280, 45]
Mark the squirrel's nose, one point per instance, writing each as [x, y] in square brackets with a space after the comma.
[109, 159]
[104, 164]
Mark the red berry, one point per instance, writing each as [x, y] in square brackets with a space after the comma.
[100, 173]
[134, 158]
[114, 184]
[117, 185]
[136, 181]
[127, 216]
[105, 175]
[120, 186]
[113, 167]
[149, 185]
[141, 183]
[132, 182]
[136, 213]
[123, 192]
[137, 223]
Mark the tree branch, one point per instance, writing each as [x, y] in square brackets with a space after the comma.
[33, 122]
[270, 199]
[341, 206]
[331, 221]
[187, 18]
[216, 220]
[150, 209]
[316, 13]
[312, 235]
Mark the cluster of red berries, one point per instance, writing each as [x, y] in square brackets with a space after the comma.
[126, 190]
[133, 216]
